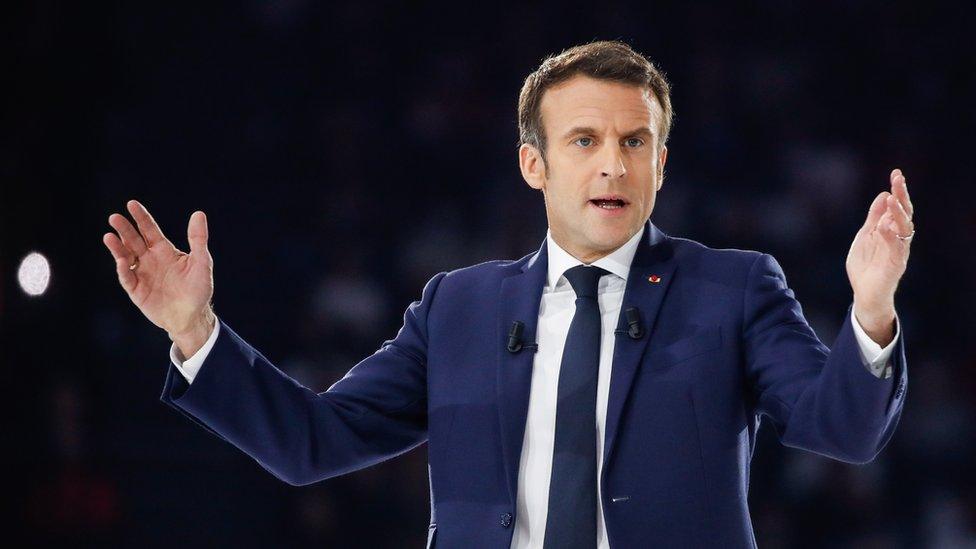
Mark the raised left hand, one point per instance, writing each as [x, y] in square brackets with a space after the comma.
[879, 255]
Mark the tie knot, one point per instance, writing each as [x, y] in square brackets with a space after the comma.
[584, 279]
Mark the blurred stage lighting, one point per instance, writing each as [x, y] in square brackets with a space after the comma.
[34, 274]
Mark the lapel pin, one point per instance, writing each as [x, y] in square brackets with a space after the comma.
[654, 278]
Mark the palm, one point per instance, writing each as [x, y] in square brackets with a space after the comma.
[878, 257]
[169, 286]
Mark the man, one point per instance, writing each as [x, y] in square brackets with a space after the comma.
[603, 391]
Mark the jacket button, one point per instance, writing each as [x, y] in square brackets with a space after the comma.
[506, 519]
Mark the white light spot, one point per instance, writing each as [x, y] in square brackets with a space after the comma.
[34, 274]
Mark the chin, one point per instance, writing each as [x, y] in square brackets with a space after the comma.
[610, 238]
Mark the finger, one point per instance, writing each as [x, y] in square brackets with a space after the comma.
[899, 187]
[118, 249]
[197, 232]
[875, 212]
[147, 225]
[127, 277]
[900, 218]
[129, 235]
[889, 230]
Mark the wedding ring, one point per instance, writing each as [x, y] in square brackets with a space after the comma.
[133, 266]
[906, 237]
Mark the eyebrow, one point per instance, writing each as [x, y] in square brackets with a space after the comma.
[588, 130]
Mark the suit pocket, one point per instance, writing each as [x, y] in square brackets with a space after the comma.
[431, 536]
[666, 359]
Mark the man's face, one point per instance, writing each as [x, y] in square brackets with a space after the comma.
[602, 143]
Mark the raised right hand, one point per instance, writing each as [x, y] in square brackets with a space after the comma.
[172, 288]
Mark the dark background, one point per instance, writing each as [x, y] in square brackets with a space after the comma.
[345, 153]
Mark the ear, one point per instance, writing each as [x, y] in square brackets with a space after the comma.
[660, 167]
[532, 166]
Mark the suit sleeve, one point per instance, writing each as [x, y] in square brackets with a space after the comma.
[819, 399]
[378, 410]
[190, 366]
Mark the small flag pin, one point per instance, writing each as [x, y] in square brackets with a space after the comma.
[654, 278]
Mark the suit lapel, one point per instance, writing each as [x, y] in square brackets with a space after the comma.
[518, 299]
[653, 258]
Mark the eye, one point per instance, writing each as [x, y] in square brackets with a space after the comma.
[634, 142]
[584, 141]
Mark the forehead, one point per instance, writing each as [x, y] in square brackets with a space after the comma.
[582, 100]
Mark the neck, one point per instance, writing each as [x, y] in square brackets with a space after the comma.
[586, 255]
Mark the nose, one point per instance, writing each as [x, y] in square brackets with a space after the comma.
[613, 163]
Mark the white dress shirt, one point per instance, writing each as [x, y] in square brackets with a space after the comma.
[556, 312]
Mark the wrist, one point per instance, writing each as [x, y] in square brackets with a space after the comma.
[878, 322]
[193, 337]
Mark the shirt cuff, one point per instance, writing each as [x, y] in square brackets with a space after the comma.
[190, 366]
[874, 357]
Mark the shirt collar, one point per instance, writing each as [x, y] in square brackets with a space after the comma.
[617, 262]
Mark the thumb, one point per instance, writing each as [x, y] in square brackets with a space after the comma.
[197, 233]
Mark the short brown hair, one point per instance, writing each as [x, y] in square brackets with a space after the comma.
[604, 60]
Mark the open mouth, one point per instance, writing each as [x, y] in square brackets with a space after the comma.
[609, 202]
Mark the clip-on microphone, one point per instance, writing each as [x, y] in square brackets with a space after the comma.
[634, 330]
[515, 338]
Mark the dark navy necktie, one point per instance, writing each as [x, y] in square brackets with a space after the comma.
[571, 522]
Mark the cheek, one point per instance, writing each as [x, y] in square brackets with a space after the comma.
[648, 200]
[566, 196]
[561, 199]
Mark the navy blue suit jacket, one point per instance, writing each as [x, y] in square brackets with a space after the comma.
[725, 342]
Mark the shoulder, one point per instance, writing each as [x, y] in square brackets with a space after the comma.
[726, 264]
[693, 254]
[488, 269]
[474, 278]
[486, 274]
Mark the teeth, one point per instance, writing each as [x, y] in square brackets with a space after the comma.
[608, 204]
